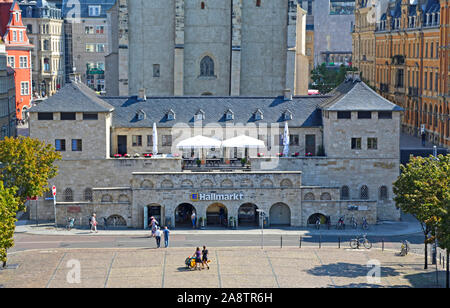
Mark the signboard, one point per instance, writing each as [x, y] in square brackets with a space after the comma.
[74, 209]
[216, 197]
[54, 190]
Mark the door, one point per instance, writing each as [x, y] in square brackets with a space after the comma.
[122, 145]
[280, 214]
[310, 145]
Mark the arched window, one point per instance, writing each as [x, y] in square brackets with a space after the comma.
[325, 196]
[68, 195]
[207, 67]
[309, 196]
[383, 193]
[107, 198]
[364, 193]
[345, 193]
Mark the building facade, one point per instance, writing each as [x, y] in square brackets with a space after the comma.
[45, 29]
[343, 157]
[18, 48]
[86, 40]
[7, 97]
[212, 47]
[410, 68]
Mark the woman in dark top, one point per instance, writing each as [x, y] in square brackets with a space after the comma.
[198, 259]
[205, 257]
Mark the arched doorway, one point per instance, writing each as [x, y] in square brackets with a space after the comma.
[116, 221]
[247, 215]
[314, 217]
[280, 215]
[183, 214]
[216, 215]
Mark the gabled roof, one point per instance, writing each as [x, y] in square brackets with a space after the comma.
[357, 96]
[74, 97]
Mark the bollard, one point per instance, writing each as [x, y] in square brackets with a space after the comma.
[320, 241]
[281, 242]
[300, 243]
[339, 242]
[382, 244]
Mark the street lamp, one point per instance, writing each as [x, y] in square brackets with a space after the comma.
[262, 214]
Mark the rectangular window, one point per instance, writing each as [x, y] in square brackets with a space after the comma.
[344, 115]
[89, 30]
[156, 72]
[137, 140]
[44, 116]
[21, 36]
[342, 7]
[23, 62]
[364, 114]
[90, 116]
[149, 140]
[68, 116]
[372, 143]
[100, 29]
[90, 47]
[94, 10]
[24, 88]
[60, 145]
[14, 33]
[356, 143]
[11, 61]
[294, 140]
[76, 145]
[100, 48]
[167, 140]
[384, 115]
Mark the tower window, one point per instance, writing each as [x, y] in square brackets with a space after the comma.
[207, 67]
[258, 3]
[202, 5]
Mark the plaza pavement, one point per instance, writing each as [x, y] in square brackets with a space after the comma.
[229, 268]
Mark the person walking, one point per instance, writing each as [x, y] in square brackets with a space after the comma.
[198, 258]
[166, 232]
[154, 225]
[94, 223]
[158, 237]
[205, 257]
[193, 218]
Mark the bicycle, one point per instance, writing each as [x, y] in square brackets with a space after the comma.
[70, 223]
[365, 225]
[405, 249]
[360, 241]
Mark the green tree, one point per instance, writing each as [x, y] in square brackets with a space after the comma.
[326, 79]
[27, 164]
[420, 191]
[8, 209]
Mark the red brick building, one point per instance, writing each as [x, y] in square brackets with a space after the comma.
[18, 48]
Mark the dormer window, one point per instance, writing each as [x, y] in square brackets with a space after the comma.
[140, 115]
[287, 115]
[229, 115]
[200, 115]
[258, 115]
[170, 115]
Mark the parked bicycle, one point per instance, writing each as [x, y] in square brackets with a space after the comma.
[405, 249]
[365, 225]
[70, 223]
[341, 223]
[360, 241]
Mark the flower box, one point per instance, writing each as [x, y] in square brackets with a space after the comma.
[127, 155]
[117, 155]
[148, 155]
[260, 154]
[136, 155]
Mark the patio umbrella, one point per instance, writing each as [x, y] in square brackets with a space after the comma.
[243, 142]
[286, 140]
[155, 140]
[199, 142]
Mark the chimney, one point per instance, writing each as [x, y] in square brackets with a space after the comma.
[287, 94]
[142, 96]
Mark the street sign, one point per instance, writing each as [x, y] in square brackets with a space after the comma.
[54, 190]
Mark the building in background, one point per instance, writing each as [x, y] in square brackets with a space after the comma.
[18, 48]
[7, 97]
[45, 29]
[329, 24]
[211, 47]
[404, 55]
[86, 40]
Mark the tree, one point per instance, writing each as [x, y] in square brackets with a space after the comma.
[8, 209]
[27, 164]
[420, 191]
[326, 79]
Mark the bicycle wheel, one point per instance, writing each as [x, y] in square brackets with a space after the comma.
[353, 243]
[367, 244]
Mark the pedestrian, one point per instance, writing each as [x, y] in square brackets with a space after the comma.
[193, 218]
[94, 223]
[158, 237]
[166, 232]
[198, 258]
[205, 257]
[154, 225]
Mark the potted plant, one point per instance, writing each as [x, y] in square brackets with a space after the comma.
[136, 155]
[148, 155]
[243, 161]
[117, 155]
[198, 162]
[127, 155]
[260, 154]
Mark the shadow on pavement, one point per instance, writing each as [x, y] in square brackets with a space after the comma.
[348, 270]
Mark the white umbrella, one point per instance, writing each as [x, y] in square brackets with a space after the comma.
[199, 142]
[155, 140]
[286, 140]
[243, 142]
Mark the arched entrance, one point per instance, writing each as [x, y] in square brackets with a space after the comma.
[183, 214]
[116, 221]
[314, 217]
[280, 215]
[247, 215]
[216, 215]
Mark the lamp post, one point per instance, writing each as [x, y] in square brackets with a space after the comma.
[262, 214]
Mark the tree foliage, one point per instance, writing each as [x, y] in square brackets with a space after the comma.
[8, 209]
[27, 164]
[326, 79]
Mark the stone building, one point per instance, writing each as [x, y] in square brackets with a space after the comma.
[403, 53]
[87, 42]
[343, 157]
[210, 47]
[45, 30]
[7, 97]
